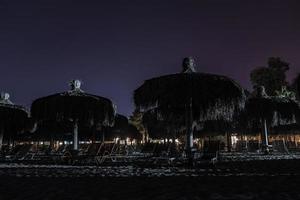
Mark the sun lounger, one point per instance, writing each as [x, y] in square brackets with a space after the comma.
[253, 146]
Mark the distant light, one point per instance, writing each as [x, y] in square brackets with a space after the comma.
[234, 139]
[117, 139]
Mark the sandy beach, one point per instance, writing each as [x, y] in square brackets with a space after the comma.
[207, 187]
[273, 179]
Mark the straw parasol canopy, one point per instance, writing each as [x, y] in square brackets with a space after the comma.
[49, 130]
[76, 106]
[263, 111]
[214, 128]
[199, 96]
[287, 115]
[159, 127]
[13, 118]
[289, 129]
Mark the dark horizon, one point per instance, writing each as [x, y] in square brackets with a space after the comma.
[114, 46]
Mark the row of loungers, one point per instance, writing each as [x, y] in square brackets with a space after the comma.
[64, 153]
[95, 153]
[102, 153]
[280, 146]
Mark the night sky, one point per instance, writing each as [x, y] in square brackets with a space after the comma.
[113, 46]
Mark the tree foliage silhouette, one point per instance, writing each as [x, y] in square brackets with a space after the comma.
[272, 77]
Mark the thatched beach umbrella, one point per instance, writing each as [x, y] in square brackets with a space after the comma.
[197, 96]
[265, 111]
[283, 130]
[49, 130]
[287, 116]
[213, 128]
[162, 127]
[174, 125]
[76, 106]
[13, 118]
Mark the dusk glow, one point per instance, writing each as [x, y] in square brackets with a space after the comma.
[150, 99]
[113, 46]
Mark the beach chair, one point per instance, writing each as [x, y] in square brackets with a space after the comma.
[161, 150]
[149, 149]
[253, 145]
[23, 151]
[4, 151]
[291, 146]
[211, 150]
[173, 150]
[86, 154]
[241, 146]
[280, 146]
[105, 151]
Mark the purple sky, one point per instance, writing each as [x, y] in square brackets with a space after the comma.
[114, 45]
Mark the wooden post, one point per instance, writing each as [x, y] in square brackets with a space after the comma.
[51, 143]
[228, 138]
[103, 134]
[75, 134]
[94, 131]
[189, 131]
[266, 133]
[265, 146]
[1, 137]
[246, 144]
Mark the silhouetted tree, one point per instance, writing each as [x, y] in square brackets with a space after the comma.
[272, 77]
[136, 120]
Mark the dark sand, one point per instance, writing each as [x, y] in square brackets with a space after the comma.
[206, 187]
[277, 179]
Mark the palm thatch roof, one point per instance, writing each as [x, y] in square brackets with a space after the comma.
[214, 128]
[213, 97]
[74, 105]
[287, 109]
[13, 118]
[286, 118]
[288, 129]
[48, 130]
[159, 127]
[277, 110]
[168, 100]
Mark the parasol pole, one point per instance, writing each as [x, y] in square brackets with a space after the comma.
[228, 138]
[1, 136]
[189, 67]
[189, 132]
[94, 129]
[75, 135]
[103, 135]
[266, 145]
